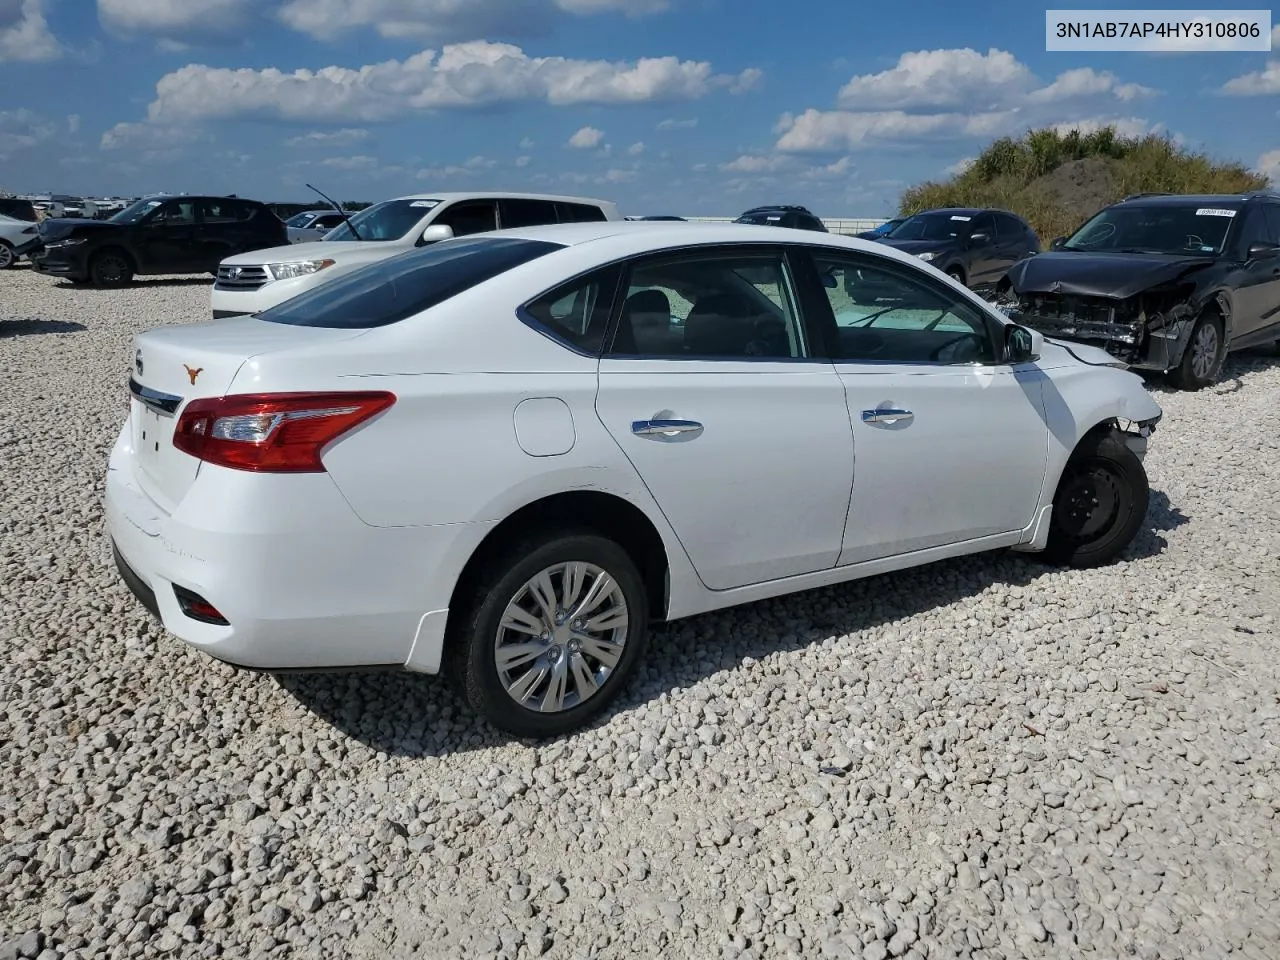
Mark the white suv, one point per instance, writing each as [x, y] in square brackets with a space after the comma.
[251, 282]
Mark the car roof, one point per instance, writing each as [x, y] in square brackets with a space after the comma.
[497, 195]
[1179, 199]
[626, 238]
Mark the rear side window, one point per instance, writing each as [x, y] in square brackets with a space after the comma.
[517, 212]
[579, 213]
[577, 313]
[390, 290]
[224, 211]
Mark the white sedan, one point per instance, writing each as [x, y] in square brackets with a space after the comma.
[506, 455]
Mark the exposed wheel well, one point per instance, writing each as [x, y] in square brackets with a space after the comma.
[608, 515]
[957, 270]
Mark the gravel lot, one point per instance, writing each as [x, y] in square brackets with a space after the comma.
[983, 758]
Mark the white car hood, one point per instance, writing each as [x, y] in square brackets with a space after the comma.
[341, 251]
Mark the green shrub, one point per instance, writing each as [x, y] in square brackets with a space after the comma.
[1011, 173]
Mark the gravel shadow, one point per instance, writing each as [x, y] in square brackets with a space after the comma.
[141, 283]
[416, 715]
[24, 326]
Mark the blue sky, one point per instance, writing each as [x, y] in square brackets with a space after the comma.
[696, 107]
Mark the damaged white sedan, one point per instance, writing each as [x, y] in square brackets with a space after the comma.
[506, 455]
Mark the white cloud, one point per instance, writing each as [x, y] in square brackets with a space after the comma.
[1086, 82]
[678, 124]
[635, 149]
[752, 163]
[960, 166]
[523, 161]
[966, 79]
[150, 136]
[940, 78]
[461, 75]
[526, 144]
[329, 138]
[949, 94]
[445, 20]
[747, 80]
[586, 138]
[1269, 164]
[844, 130]
[73, 123]
[24, 33]
[176, 20]
[359, 162]
[1256, 84]
[21, 129]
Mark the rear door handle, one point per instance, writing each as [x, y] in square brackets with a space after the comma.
[666, 430]
[886, 415]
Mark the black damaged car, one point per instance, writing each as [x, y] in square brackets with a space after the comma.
[1167, 283]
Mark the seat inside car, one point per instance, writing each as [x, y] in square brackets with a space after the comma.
[730, 325]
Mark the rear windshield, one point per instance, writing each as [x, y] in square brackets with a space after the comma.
[390, 290]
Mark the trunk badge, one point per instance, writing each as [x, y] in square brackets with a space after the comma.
[137, 362]
[192, 374]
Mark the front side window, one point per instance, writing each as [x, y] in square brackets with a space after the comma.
[385, 221]
[578, 312]
[175, 213]
[884, 315]
[709, 307]
[1189, 228]
[391, 290]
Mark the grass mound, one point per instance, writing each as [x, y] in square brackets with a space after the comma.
[1057, 180]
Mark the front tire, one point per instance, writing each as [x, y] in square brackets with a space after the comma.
[7, 257]
[555, 626]
[956, 274]
[1100, 503]
[1202, 360]
[110, 268]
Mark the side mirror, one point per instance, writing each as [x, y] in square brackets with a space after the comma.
[1263, 251]
[1057, 242]
[1022, 344]
[977, 238]
[437, 232]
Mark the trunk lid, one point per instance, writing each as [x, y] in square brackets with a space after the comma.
[171, 366]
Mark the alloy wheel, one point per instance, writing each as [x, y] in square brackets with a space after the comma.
[561, 637]
[1204, 350]
[6, 256]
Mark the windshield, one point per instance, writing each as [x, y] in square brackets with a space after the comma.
[300, 219]
[135, 211]
[939, 227]
[388, 220]
[1156, 228]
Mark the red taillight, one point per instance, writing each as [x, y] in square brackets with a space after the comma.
[272, 432]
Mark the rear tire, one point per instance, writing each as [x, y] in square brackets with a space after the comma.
[110, 268]
[1202, 360]
[956, 274]
[7, 256]
[558, 670]
[1100, 502]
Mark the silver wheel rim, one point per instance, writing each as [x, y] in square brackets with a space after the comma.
[561, 637]
[6, 256]
[1204, 350]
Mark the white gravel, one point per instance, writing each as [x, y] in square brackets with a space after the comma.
[984, 758]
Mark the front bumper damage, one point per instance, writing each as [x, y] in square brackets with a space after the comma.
[1146, 332]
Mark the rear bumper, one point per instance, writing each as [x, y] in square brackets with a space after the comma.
[302, 583]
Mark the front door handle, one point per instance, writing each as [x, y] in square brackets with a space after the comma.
[666, 430]
[887, 415]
